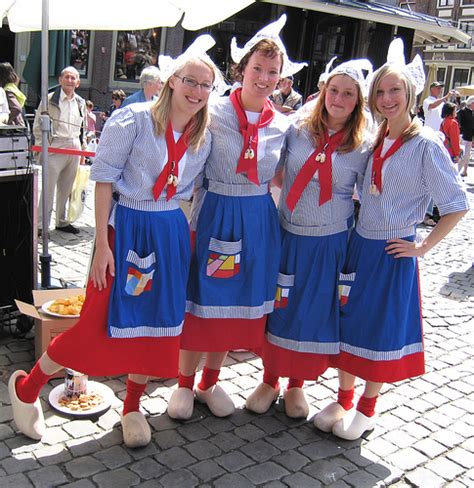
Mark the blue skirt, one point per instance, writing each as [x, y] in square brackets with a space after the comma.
[381, 326]
[303, 330]
[237, 252]
[152, 256]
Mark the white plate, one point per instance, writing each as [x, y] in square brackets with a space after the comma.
[45, 309]
[92, 387]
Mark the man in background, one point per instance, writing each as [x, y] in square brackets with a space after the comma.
[466, 124]
[150, 81]
[285, 99]
[433, 105]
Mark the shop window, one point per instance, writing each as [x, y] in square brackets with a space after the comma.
[468, 28]
[135, 50]
[80, 51]
[460, 77]
[441, 75]
[445, 3]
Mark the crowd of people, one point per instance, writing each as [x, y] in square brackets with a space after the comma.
[300, 285]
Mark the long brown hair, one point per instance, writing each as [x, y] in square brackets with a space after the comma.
[267, 47]
[317, 121]
[161, 109]
[415, 126]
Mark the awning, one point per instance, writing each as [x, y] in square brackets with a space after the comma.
[428, 29]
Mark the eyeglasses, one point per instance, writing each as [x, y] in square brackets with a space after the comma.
[194, 84]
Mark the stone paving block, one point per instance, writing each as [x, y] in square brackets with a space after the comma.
[234, 461]
[360, 479]
[430, 448]
[16, 481]
[387, 474]
[175, 458]
[83, 446]
[445, 468]
[114, 457]
[119, 478]
[47, 477]
[216, 425]
[416, 430]
[244, 369]
[291, 460]
[269, 424]
[80, 484]
[109, 438]
[307, 434]
[227, 441]
[163, 422]
[55, 435]
[260, 451]
[381, 446]
[179, 479]
[84, 467]
[203, 450]
[6, 414]
[168, 439]
[233, 480]
[328, 470]
[422, 478]
[406, 459]
[462, 457]
[52, 455]
[264, 472]
[193, 432]
[80, 428]
[405, 413]
[53, 420]
[148, 469]
[249, 432]
[206, 470]
[465, 430]
[283, 441]
[242, 417]
[19, 464]
[320, 450]
[300, 480]
[400, 438]
[154, 406]
[449, 393]
[6, 432]
[109, 420]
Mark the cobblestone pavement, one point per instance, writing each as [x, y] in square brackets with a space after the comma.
[424, 437]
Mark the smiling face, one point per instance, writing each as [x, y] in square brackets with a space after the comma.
[391, 97]
[187, 99]
[260, 76]
[342, 95]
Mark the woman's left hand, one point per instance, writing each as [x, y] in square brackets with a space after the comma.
[400, 248]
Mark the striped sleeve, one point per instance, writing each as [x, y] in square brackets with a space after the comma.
[115, 145]
[442, 179]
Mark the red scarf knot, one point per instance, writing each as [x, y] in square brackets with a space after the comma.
[248, 158]
[319, 160]
[169, 174]
[377, 165]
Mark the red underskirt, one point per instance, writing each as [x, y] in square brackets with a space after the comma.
[292, 364]
[381, 371]
[219, 335]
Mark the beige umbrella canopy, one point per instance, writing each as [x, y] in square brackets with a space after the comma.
[430, 78]
[465, 91]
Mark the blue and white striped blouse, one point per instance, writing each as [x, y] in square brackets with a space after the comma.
[308, 217]
[132, 156]
[419, 171]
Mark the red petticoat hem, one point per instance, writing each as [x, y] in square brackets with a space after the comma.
[293, 364]
[381, 371]
[218, 335]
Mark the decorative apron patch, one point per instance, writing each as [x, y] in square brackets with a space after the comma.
[138, 280]
[223, 258]
[284, 283]
[345, 284]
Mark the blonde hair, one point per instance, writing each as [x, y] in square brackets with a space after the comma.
[161, 109]
[415, 126]
[317, 121]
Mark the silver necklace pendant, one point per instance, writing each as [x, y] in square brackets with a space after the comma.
[175, 181]
[373, 190]
[321, 158]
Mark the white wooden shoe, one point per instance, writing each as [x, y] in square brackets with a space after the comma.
[181, 404]
[217, 400]
[353, 425]
[28, 417]
[328, 416]
[261, 399]
[136, 431]
[296, 406]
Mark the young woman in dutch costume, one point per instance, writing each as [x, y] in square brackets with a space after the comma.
[235, 263]
[135, 300]
[325, 157]
[381, 329]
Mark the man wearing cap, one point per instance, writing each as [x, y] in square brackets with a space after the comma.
[285, 99]
[433, 105]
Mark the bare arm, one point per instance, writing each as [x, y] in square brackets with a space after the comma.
[401, 248]
[438, 102]
[103, 258]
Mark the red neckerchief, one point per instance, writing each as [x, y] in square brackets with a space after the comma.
[169, 174]
[320, 159]
[376, 179]
[248, 158]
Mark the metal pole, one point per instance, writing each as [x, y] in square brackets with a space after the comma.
[45, 257]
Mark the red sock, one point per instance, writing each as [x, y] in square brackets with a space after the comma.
[186, 381]
[270, 379]
[132, 399]
[294, 383]
[344, 398]
[28, 388]
[367, 405]
[209, 378]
